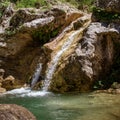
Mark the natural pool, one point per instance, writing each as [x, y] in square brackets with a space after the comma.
[74, 106]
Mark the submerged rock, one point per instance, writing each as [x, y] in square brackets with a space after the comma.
[15, 112]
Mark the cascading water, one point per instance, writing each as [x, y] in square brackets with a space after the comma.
[36, 75]
[53, 64]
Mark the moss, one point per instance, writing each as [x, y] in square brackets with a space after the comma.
[101, 14]
[43, 36]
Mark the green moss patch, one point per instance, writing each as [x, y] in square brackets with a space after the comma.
[43, 36]
[103, 15]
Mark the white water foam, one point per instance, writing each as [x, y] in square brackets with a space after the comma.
[23, 92]
[53, 64]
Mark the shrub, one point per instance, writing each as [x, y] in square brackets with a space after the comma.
[101, 14]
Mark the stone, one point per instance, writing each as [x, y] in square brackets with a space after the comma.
[2, 71]
[10, 78]
[89, 61]
[15, 112]
[2, 90]
[9, 83]
[67, 74]
[115, 85]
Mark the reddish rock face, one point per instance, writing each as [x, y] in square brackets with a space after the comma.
[15, 112]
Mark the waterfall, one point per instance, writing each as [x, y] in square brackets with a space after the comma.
[36, 75]
[53, 64]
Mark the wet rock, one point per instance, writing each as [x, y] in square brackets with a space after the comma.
[67, 73]
[89, 61]
[8, 82]
[12, 111]
[115, 85]
[109, 91]
[27, 31]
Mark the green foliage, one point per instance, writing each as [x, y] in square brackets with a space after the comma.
[1, 14]
[43, 37]
[101, 14]
[5, 3]
[80, 3]
[10, 32]
[30, 3]
[88, 3]
[24, 3]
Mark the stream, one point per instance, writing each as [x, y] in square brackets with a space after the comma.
[70, 106]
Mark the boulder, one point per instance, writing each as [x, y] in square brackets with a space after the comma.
[2, 90]
[10, 83]
[67, 72]
[15, 112]
[90, 61]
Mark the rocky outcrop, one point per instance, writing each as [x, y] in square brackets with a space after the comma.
[24, 34]
[66, 75]
[15, 112]
[92, 59]
[91, 56]
[8, 83]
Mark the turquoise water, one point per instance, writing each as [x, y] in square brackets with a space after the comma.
[51, 106]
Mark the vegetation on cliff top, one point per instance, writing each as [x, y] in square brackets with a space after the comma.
[38, 3]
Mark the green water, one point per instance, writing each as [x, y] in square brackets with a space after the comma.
[69, 106]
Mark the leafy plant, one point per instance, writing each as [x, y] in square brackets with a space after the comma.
[101, 14]
[43, 36]
[30, 3]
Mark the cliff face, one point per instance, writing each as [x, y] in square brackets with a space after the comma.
[25, 31]
[94, 59]
[89, 58]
